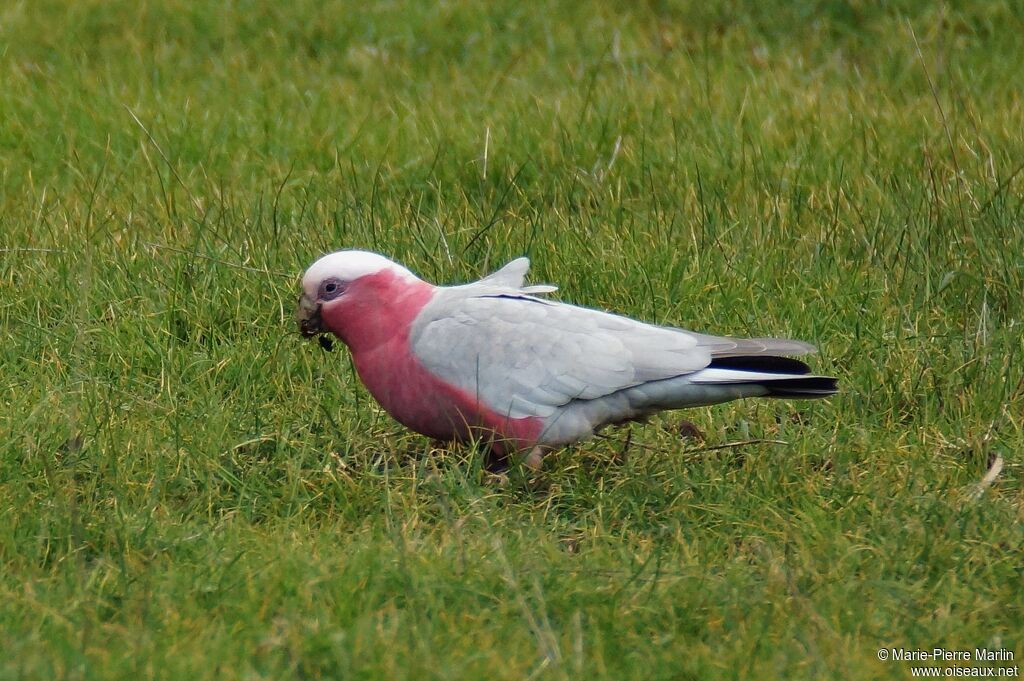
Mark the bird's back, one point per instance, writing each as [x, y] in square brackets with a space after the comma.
[578, 368]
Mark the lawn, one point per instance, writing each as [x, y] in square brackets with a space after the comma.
[188, 490]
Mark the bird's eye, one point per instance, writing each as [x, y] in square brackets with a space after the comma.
[332, 288]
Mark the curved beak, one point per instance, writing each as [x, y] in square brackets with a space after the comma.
[307, 314]
[311, 324]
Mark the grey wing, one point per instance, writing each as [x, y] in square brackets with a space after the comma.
[523, 356]
[722, 346]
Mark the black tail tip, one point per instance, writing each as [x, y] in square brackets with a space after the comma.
[803, 387]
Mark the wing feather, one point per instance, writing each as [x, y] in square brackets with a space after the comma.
[513, 276]
[527, 357]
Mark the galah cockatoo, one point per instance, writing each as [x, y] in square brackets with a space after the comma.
[492, 360]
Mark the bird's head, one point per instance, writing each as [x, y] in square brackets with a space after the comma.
[348, 289]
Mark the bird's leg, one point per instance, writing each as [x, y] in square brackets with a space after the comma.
[499, 457]
[535, 459]
[495, 459]
[623, 454]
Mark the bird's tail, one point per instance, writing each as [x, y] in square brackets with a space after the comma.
[780, 376]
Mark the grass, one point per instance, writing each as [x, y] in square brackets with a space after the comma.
[188, 490]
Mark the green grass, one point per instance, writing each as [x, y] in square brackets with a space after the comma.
[189, 490]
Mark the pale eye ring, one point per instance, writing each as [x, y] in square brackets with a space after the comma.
[331, 288]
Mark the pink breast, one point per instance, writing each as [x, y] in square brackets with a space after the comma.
[419, 400]
[373, 318]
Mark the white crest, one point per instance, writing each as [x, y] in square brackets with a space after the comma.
[349, 266]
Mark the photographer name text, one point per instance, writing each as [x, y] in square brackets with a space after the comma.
[946, 654]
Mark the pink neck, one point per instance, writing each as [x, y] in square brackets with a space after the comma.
[375, 309]
[373, 318]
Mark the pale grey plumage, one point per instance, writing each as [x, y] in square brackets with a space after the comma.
[512, 278]
[579, 368]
